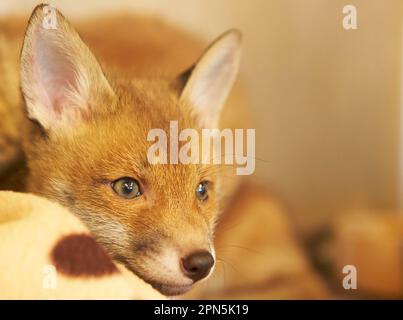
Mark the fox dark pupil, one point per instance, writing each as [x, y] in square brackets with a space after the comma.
[127, 187]
[201, 191]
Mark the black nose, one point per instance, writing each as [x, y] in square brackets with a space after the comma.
[197, 265]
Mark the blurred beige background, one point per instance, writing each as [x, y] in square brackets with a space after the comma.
[325, 100]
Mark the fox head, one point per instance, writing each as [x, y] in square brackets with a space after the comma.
[88, 150]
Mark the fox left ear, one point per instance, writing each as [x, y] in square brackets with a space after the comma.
[206, 85]
[61, 80]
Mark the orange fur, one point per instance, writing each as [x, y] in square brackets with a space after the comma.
[76, 167]
[106, 139]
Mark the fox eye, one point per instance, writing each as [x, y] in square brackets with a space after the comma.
[201, 191]
[127, 188]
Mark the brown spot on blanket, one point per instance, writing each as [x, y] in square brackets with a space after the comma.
[80, 255]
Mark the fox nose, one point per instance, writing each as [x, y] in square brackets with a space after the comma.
[197, 265]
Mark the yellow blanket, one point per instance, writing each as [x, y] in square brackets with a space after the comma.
[47, 253]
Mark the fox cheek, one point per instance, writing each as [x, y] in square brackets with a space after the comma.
[142, 246]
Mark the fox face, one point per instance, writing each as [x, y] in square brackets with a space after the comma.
[88, 151]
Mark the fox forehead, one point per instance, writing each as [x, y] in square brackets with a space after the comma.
[148, 103]
[108, 149]
[144, 105]
[120, 131]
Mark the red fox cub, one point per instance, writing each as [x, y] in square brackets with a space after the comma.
[86, 144]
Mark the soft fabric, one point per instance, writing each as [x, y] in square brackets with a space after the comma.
[47, 253]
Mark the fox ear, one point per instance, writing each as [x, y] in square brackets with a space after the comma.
[207, 84]
[60, 78]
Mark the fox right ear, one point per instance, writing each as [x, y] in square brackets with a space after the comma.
[60, 78]
[206, 85]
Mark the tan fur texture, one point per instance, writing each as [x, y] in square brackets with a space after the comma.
[371, 241]
[9, 101]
